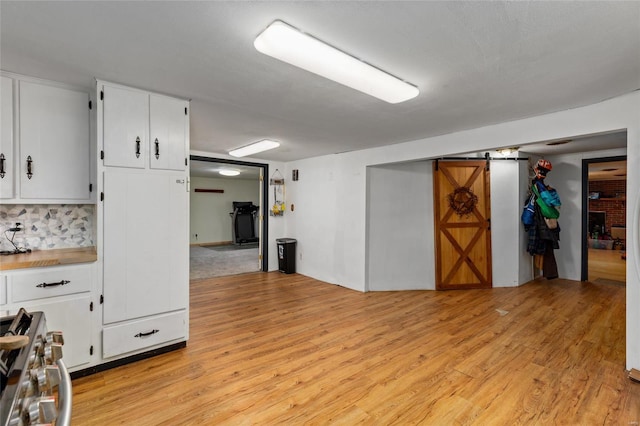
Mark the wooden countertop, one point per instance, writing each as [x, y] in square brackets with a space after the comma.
[40, 258]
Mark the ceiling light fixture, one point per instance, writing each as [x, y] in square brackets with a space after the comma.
[507, 151]
[254, 148]
[228, 172]
[287, 44]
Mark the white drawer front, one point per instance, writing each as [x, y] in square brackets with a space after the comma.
[140, 334]
[49, 282]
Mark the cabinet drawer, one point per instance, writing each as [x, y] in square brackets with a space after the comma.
[49, 282]
[122, 338]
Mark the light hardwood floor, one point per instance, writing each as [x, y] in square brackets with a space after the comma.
[607, 264]
[268, 349]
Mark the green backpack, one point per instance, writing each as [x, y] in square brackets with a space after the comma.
[549, 212]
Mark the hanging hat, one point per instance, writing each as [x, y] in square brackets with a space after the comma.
[542, 168]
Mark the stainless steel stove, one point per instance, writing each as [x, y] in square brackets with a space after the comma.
[35, 383]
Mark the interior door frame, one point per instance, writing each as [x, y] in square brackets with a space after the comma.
[584, 267]
[264, 211]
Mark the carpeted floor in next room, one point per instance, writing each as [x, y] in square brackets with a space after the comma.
[208, 262]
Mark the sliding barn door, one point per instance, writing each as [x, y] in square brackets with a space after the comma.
[462, 224]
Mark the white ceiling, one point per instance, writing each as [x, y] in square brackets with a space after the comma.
[476, 63]
[611, 170]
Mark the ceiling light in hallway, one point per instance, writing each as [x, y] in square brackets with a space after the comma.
[254, 148]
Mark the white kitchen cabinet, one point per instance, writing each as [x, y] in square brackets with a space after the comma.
[46, 142]
[54, 143]
[146, 269]
[143, 130]
[125, 126]
[143, 221]
[64, 295]
[6, 139]
[168, 130]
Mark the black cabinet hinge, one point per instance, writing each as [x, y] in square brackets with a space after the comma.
[91, 350]
[102, 95]
[185, 110]
[185, 161]
[102, 155]
[91, 307]
[90, 105]
[90, 187]
[102, 196]
[101, 299]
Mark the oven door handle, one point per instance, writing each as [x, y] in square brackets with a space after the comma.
[65, 396]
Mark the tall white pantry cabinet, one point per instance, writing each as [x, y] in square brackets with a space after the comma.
[143, 217]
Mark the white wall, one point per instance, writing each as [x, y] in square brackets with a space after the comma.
[346, 248]
[506, 206]
[525, 261]
[209, 212]
[314, 196]
[400, 227]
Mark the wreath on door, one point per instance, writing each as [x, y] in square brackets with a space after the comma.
[462, 201]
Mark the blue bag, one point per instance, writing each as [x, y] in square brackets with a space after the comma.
[551, 197]
[528, 212]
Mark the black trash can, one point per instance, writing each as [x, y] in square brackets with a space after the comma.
[286, 255]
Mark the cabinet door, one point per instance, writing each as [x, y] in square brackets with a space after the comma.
[168, 130]
[6, 139]
[125, 127]
[54, 143]
[73, 317]
[146, 259]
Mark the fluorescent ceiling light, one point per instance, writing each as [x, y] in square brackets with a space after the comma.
[287, 44]
[228, 172]
[254, 148]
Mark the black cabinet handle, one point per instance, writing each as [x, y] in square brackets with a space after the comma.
[157, 149]
[138, 147]
[44, 285]
[154, 331]
[2, 170]
[29, 165]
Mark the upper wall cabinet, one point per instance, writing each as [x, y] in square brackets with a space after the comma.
[143, 130]
[6, 139]
[46, 142]
[126, 117]
[168, 129]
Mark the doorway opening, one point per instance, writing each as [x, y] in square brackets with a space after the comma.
[604, 188]
[227, 226]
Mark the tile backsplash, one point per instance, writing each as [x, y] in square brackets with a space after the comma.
[48, 226]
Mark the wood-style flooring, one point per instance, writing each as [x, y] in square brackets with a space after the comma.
[269, 349]
[606, 264]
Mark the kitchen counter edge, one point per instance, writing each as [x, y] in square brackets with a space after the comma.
[53, 257]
